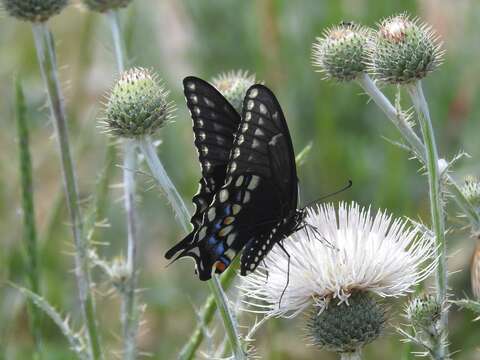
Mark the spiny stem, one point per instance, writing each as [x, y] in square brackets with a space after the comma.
[113, 18]
[129, 303]
[229, 321]
[129, 311]
[195, 340]
[30, 232]
[436, 206]
[160, 175]
[48, 66]
[416, 144]
[183, 216]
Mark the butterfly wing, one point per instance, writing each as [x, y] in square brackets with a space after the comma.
[265, 109]
[214, 124]
[259, 191]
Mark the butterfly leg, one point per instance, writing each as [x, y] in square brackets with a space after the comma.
[288, 272]
[265, 265]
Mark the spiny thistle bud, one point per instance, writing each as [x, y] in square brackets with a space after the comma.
[34, 10]
[423, 312]
[347, 327]
[471, 190]
[233, 86]
[105, 5]
[119, 274]
[137, 105]
[403, 50]
[341, 52]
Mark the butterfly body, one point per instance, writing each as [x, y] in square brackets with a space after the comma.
[247, 198]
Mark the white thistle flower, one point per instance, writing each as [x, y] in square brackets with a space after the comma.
[377, 254]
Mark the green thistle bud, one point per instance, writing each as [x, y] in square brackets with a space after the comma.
[423, 312]
[34, 10]
[345, 328]
[137, 105]
[233, 86]
[105, 5]
[403, 50]
[471, 190]
[341, 52]
[119, 274]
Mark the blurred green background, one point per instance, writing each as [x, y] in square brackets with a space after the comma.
[271, 38]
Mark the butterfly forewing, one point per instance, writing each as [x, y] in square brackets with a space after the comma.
[214, 124]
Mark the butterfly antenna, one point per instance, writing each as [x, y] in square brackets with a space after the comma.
[346, 187]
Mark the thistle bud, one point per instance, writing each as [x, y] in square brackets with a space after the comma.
[403, 50]
[34, 10]
[119, 274]
[137, 105]
[424, 312]
[341, 52]
[471, 190]
[347, 327]
[105, 5]
[233, 86]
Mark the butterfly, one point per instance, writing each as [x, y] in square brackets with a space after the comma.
[248, 194]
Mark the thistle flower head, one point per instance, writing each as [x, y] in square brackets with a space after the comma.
[137, 105]
[375, 254]
[403, 50]
[471, 190]
[343, 327]
[34, 10]
[105, 5]
[341, 52]
[233, 85]
[423, 311]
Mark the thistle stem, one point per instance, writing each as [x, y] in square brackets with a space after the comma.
[48, 66]
[161, 176]
[436, 206]
[129, 311]
[229, 321]
[183, 216]
[30, 232]
[190, 348]
[416, 144]
[355, 355]
[114, 21]
[129, 306]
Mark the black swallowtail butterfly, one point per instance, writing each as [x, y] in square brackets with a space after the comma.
[248, 194]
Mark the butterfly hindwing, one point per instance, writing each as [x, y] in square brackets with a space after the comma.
[214, 124]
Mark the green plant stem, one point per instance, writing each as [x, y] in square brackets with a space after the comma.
[206, 316]
[356, 355]
[129, 308]
[436, 207]
[183, 216]
[399, 120]
[229, 322]
[118, 46]
[129, 303]
[30, 232]
[47, 61]
[160, 175]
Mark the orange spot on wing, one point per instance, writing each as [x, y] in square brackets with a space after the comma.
[220, 266]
